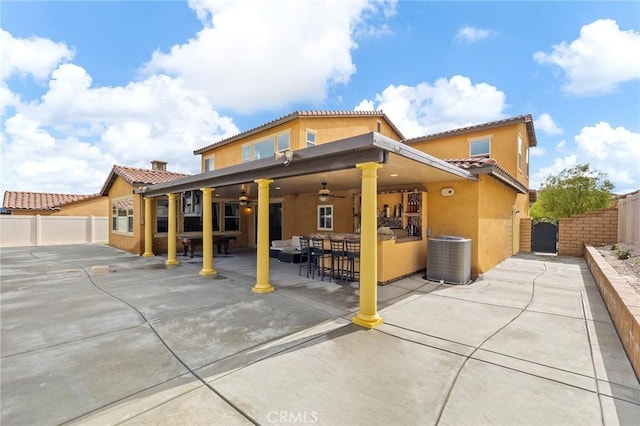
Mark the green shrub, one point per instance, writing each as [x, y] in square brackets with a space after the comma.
[624, 254]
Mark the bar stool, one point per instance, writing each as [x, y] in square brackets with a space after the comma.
[353, 255]
[305, 255]
[317, 258]
[338, 255]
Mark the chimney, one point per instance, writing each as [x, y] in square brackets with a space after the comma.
[159, 165]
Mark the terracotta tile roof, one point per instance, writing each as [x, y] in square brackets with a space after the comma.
[489, 166]
[136, 177]
[14, 200]
[298, 114]
[526, 118]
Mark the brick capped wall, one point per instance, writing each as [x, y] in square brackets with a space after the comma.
[594, 228]
[525, 235]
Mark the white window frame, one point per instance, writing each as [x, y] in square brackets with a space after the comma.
[477, 140]
[247, 155]
[278, 146]
[209, 163]
[264, 142]
[519, 152]
[315, 137]
[122, 223]
[325, 219]
[236, 206]
[526, 159]
[158, 215]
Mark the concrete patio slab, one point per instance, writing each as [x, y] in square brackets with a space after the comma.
[98, 336]
[457, 320]
[72, 379]
[331, 379]
[207, 335]
[528, 337]
[486, 394]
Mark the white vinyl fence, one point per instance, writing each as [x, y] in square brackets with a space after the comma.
[629, 220]
[17, 231]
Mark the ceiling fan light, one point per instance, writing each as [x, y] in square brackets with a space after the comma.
[243, 199]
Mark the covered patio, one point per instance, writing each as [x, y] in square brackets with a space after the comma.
[365, 164]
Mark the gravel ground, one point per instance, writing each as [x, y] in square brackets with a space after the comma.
[629, 269]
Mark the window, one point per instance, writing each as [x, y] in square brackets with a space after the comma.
[122, 215]
[526, 159]
[247, 153]
[231, 216]
[519, 152]
[282, 142]
[325, 218]
[263, 149]
[216, 216]
[378, 126]
[311, 138]
[210, 163]
[162, 214]
[480, 147]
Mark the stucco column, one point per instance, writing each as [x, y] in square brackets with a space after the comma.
[262, 252]
[207, 233]
[148, 227]
[368, 314]
[171, 238]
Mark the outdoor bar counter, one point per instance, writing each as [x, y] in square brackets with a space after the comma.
[398, 256]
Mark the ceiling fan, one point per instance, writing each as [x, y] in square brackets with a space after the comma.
[325, 193]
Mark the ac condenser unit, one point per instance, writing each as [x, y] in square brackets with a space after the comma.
[449, 259]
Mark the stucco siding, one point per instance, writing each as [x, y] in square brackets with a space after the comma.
[498, 223]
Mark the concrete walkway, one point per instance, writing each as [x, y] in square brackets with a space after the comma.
[93, 335]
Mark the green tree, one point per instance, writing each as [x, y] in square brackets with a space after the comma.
[573, 191]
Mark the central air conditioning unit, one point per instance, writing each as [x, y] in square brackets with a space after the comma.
[449, 259]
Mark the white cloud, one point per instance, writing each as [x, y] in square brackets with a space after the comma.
[558, 165]
[254, 55]
[599, 60]
[615, 151]
[472, 34]
[68, 140]
[444, 105]
[35, 57]
[546, 124]
[537, 151]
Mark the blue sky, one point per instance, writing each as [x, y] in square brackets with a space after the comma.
[85, 85]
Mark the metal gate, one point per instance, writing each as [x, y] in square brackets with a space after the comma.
[544, 235]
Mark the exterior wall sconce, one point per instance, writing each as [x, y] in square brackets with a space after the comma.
[447, 192]
[287, 155]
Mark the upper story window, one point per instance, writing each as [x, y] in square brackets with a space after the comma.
[266, 147]
[263, 149]
[519, 152]
[282, 142]
[311, 138]
[122, 215]
[480, 147]
[210, 163]
[247, 153]
[526, 160]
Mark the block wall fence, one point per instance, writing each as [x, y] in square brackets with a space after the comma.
[594, 228]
